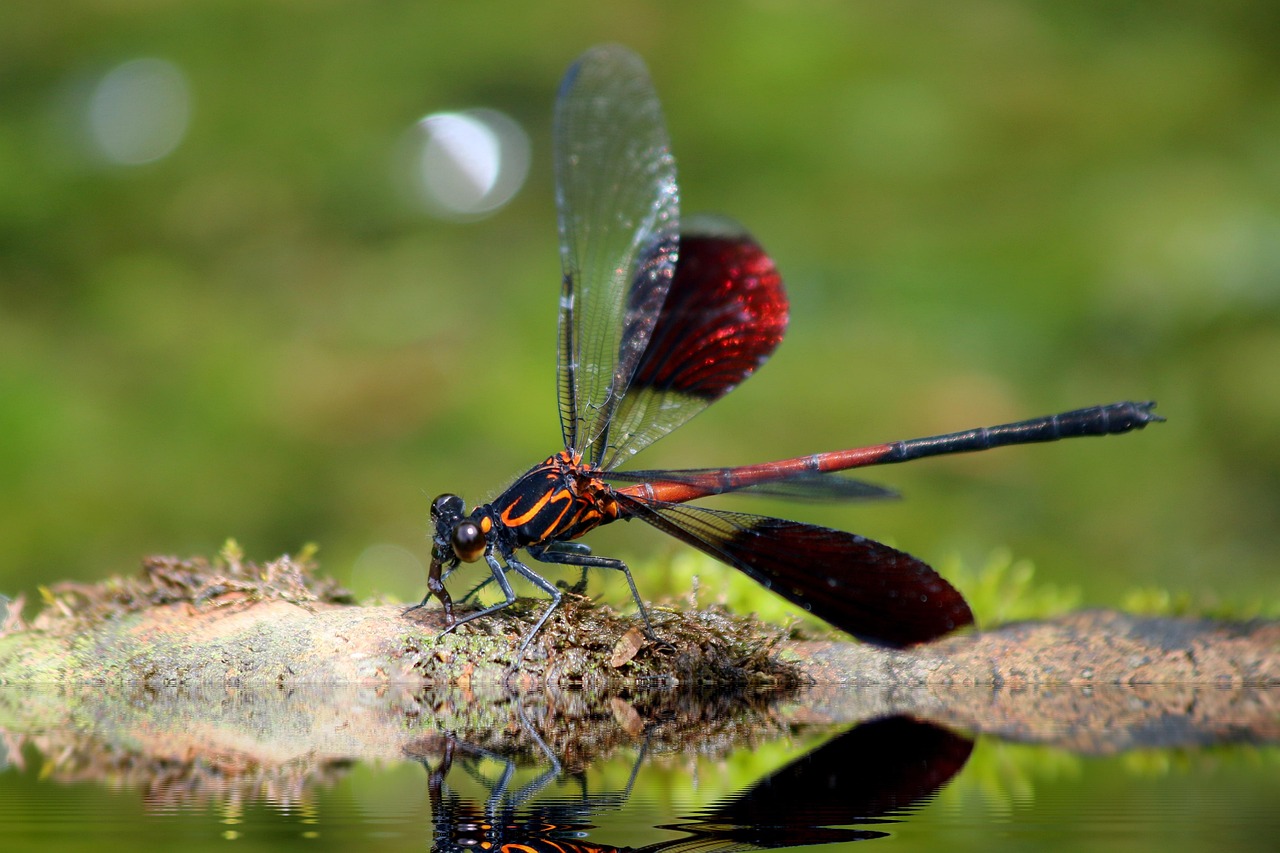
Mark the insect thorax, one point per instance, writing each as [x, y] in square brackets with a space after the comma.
[557, 500]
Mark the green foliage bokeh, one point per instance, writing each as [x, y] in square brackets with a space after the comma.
[983, 211]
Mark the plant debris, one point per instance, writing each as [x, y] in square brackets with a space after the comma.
[227, 581]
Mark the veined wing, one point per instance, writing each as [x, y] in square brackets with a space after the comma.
[619, 222]
[867, 589]
[724, 314]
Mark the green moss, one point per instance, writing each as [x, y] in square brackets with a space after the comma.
[1004, 589]
[1156, 601]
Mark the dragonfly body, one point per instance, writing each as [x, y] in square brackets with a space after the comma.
[557, 501]
[543, 511]
[658, 319]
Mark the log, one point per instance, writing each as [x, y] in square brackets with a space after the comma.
[238, 623]
[203, 677]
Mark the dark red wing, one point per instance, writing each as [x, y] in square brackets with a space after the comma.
[723, 316]
[858, 585]
[874, 769]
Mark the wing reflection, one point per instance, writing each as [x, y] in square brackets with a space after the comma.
[866, 775]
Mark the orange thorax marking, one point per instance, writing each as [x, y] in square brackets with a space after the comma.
[557, 499]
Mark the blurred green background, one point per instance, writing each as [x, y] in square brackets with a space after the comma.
[984, 211]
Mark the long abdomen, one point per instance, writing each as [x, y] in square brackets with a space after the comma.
[681, 486]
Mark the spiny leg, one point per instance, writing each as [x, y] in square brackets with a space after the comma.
[541, 583]
[578, 588]
[499, 573]
[509, 596]
[475, 590]
[558, 553]
[578, 554]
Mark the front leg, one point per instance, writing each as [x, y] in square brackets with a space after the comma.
[509, 596]
[500, 575]
[435, 589]
[435, 586]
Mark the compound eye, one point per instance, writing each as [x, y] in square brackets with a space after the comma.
[446, 505]
[468, 541]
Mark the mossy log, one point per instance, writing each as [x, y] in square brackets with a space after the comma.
[237, 623]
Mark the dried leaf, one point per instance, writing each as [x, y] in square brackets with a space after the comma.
[627, 646]
[627, 716]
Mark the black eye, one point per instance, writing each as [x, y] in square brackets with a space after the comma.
[468, 541]
[446, 505]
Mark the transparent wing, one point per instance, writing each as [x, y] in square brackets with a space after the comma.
[619, 223]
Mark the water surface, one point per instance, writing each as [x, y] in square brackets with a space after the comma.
[104, 769]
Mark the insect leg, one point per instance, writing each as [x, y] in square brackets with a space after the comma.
[475, 590]
[577, 589]
[500, 575]
[436, 589]
[541, 583]
[565, 554]
[580, 587]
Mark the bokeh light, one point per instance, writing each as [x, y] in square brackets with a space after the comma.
[139, 111]
[469, 164]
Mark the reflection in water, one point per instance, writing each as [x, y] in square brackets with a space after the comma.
[862, 776]
[506, 769]
[181, 778]
[872, 771]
